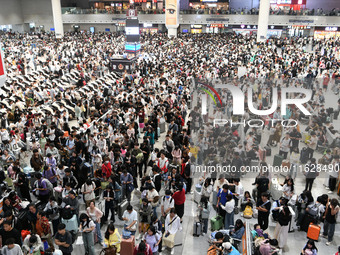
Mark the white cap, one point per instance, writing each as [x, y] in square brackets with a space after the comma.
[226, 245]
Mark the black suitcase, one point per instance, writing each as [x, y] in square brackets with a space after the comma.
[306, 221]
[121, 208]
[304, 156]
[268, 151]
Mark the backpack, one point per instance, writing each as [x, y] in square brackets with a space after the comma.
[248, 212]
[49, 185]
[170, 199]
[140, 157]
[212, 251]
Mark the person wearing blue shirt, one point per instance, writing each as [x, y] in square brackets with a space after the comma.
[222, 199]
[228, 249]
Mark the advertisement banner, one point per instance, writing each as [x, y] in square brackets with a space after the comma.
[172, 13]
[2, 68]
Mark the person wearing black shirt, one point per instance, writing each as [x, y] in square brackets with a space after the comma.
[262, 184]
[295, 137]
[332, 209]
[169, 115]
[281, 229]
[146, 151]
[64, 240]
[9, 232]
[263, 206]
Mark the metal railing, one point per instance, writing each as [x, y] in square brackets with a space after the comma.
[211, 11]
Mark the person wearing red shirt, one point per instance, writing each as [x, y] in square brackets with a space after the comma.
[106, 168]
[142, 248]
[179, 198]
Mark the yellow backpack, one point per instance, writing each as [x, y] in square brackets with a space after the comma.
[248, 212]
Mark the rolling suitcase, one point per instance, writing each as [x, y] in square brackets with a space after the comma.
[292, 223]
[214, 199]
[162, 127]
[158, 132]
[121, 208]
[197, 229]
[71, 224]
[277, 160]
[285, 168]
[304, 156]
[307, 220]
[216, 223]
[127, 246]
[268, 151]
[313, 232]
[197, 197]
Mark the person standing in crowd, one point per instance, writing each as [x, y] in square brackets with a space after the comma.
[285, 146]
[172, 225]
[109, 197]
[281, 229]
[9, 232]
[312, 143]
[126, 180]
[130, 219]
[222, 199]
[86, 227]
[153, 239]
[179, 198]
[142, 248]
[11, 247]
[229, 208]
[332, 210]
[42, 188]
[167, 202]
[88, 189]
[263, 206]
[96, 216]
[310, 174]
[64, 240]
[205, 209]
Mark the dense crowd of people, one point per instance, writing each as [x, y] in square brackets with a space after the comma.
[72, 130]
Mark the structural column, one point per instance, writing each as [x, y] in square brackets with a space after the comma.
[172, 8]
[263, 20]
[57, 19]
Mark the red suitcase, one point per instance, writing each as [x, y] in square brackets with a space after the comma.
[313, 232]
[127, 246]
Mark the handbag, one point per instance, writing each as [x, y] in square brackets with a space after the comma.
[111, 250]
[126, 234]
[130, 187]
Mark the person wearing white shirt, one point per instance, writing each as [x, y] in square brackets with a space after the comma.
[153, 197]
[87, 226]
[172, 225]
[239, 190]
[167, 202]
[130, 218]
[229, 208]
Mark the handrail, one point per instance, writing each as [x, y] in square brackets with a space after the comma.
[248, 240]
